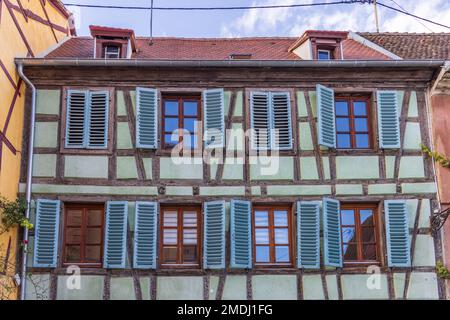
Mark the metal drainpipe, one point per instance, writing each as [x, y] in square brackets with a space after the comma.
[29, 176]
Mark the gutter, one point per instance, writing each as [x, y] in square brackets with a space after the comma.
[76, 62]
[29, 177]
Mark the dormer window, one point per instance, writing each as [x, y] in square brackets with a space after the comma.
[324, 54]
[319, 45]
[111, 52]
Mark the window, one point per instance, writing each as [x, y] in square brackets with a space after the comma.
[180, 236]
[111, 52]
[359, 227]
[353, 129]
[272, 236]
[83, 234]
[181, 119]
[324, 55]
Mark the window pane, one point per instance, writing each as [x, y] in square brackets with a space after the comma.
[348, 234]
[95, 218]
[93, 253]
[369, 252]
[282, 254]
[190, 125]
[323, 55]
[361, 124]
[190, 236]
[348, 217]
[342, 124]
[366, 217]
[170, 236]
[262, 236]
[343, 141]
[170, 254]
[74, 217]
[262, 254]
[73, 254]
[359, 108]
[171, 124]
[93, 235]
[190, 108]
[170, 139]
[341, 108]
[171, 108]
[261, 218]
[280, 218]
[190, 254]
[170, 219]
[350, 251]
[368, 234]
[190, 218]
[362, 140]
[73, 235]
[281, 236]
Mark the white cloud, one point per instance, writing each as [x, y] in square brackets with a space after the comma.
[356, 17]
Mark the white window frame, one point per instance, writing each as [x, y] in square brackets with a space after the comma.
[321, 51]
[107, 54]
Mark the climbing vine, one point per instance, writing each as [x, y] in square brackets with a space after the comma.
[436, 156]
[442, 271]
[13, 214]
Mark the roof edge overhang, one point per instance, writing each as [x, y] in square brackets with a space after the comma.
[55, 63]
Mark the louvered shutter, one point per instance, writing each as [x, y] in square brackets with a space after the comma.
[98, 120]
[214, 235]
[145, 231]
[308, 233]
[281, 121]
[214, 123]
[332, 232]
[388, 121]
[46, 233]
[146, 118]
[115, 234]
[260, 120]
[76, 118]
[241, 239]
[397, 233]
[326, 116]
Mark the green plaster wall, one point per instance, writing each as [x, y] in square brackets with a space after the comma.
[301, 104]
[306, 142]
[232, 170]
[298, 190]
[148, 164]
[126, 168]
[213, 286]
[175, 169]
[46, 135]
[222, 191]
[86, 167]
[390, 166]
[271, 168]
[308, 168]
[399, 284]
[120, 101]
[226, 101]
[313, 101]
[91, 289]
[420, 187]
[84, 189]
[123, 136]
[180, 288]
[412, 108]
[411, 167]
[122, 289]
[382, 188]
[424, 251]
[355, 287]
[44, 165]
[333, 292]
[326, 168]
[412, 137]
[400, 95]
[348, 189]
[48, 101]
[179, 191]
[312, 287]
[423, 285]
[362, 167]
[37, 287]
[238, 104]
[133, 100]
[256, 190]
[235, 288]
[235, 139]
[274, 287]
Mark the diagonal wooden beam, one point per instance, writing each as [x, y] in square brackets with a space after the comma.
[24, 13]
[7, 74]
[12, 105]
[4, 139]
[1, 6]
[19, 29]
[48, 19]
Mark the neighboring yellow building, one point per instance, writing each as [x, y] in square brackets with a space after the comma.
[27, 28]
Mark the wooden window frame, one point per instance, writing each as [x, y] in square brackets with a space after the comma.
[350, 99]
[84, 207]
[180, 265]
[106, 46]
[271, 227]
[180, 98]
[359, 244]
[101, 43]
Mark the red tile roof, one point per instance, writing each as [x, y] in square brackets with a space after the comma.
[271, 48]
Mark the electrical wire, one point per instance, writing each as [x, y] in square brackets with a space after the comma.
[423, 24]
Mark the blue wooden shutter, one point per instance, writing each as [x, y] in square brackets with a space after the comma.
[145, 230]
[281, 121]
[214, 122]
[397, 233]
[260, 120]
[214, 235]
[326, 116]
[388, 122]
[241, 234]
[76, 118]
[115, 234]
[98, 120]
[308, 233]
[146, 118]
[332, 232]
[46, 233]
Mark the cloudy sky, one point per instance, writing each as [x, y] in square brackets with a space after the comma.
[260, 22]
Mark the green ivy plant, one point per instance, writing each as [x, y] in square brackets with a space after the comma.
[442, 271]
[13, 214]
[436, 156]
